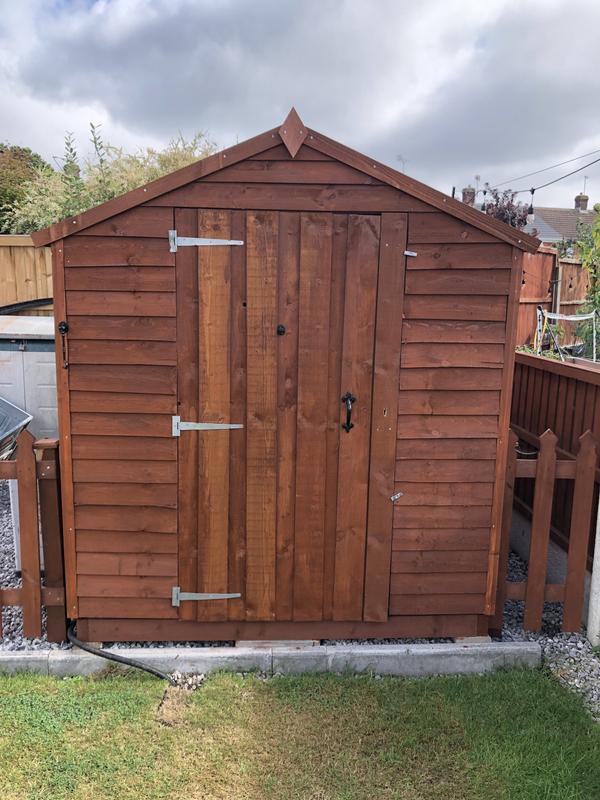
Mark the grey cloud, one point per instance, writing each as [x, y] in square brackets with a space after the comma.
[456, 88]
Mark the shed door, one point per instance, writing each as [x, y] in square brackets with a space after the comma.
[272, 335]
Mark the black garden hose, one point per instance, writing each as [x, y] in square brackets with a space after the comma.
[72, 637]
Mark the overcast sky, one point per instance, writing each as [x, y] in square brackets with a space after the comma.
[443, 89]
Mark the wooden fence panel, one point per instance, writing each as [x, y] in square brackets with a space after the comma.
[25, 273]
[38, 480]
[564, 397]
[546, 469]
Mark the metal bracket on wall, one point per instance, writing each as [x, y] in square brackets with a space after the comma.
[189, 241]
[177, 426]
[410, 253]
[177, 596]
[396, 496]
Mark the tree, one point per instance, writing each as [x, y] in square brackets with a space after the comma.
[52, 195]
[18, 165]
[502, 206]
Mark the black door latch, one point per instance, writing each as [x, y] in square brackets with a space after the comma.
[348, 399]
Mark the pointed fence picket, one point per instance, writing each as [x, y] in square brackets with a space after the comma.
[545, 469]
[39, 514]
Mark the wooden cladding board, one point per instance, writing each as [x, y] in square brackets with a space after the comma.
[453, 334]
[282, 504]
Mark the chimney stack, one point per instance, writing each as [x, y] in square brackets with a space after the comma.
[581, 202]
[468, 195]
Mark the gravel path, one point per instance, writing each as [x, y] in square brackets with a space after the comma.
[569, 656]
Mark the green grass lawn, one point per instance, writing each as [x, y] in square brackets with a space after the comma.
[512, 735]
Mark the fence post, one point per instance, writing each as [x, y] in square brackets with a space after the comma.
[30, 536]
[583, 500]
[593, 620]
[497, 621]
[540, 532]
[49, 490]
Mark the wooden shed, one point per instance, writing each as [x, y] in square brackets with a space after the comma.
[345, 344]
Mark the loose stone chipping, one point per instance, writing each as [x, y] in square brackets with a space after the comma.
[570, 657]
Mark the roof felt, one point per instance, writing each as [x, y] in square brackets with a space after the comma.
[288, 136]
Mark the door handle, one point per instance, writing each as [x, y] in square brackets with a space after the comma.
[348, 399]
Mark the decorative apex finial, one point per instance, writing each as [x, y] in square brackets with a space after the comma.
[293, 132]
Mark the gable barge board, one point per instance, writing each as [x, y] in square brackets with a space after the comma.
[265, 141]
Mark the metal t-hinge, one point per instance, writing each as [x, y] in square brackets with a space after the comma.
[177, 596]
[178, 426]
[189, 241]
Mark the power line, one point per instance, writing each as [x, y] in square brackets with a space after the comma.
[546, 169]
[561, 178]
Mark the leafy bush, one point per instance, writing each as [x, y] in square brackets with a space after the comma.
[18, 165]
[51, 195]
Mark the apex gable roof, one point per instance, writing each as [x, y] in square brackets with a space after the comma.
[292, 133]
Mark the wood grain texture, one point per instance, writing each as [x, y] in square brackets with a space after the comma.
[107, 251]
[261, 437]
[126, 403]
[448, 402]
[386, 367]
[360, 305]
[120, 279]
[421, 539]
[63, 378]
[436, 426]
[540, 532]
[311, 442]
[452, 378]
[124, 447]
[29, 536]
[117, 304]
[287, 407]
[159, 329]
[237, 447]
[186, 267]
[462, 256]
[132, 378]
[470, 307]
[457, 449]
[290, 197]
[214, 392]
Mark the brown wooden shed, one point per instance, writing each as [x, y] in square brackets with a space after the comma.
[348, 279]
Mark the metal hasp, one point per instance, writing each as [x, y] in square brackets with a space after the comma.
[178, 426]
[177, 596]
[189, 241]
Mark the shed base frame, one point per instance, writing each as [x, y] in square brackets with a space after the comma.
[169, 630]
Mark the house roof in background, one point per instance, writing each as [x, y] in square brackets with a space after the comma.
[556, 224]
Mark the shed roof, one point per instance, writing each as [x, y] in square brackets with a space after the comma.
[292, 133]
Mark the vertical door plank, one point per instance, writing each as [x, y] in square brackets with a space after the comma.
[287, 398]
[186, 277]
[540, 532]
[357, 378]
[388, 336]
[29, 536]
[311, 449]
[261, 441]
[583, 499]
[496, 622]
[214, 295]
[334, 392]
[237, 444]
